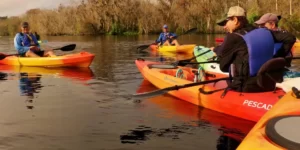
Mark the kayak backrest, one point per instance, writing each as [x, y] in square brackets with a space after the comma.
[271, 72]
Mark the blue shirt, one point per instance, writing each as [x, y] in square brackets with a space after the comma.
[22, 42]
[163, 37]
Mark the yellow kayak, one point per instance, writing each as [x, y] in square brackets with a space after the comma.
[178, 49]
[278, 128]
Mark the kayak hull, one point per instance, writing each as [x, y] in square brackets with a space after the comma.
[249, 106]
[178, 49]
[257, 137]
[82, 59]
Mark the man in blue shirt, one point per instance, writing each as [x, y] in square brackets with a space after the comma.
[167, 38]
[27, 45]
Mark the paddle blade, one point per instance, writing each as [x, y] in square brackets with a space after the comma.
[191, 31]
[67, 48]
[2, 56]
[142, 47]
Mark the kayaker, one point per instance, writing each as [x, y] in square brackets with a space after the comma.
[167, 38]
[270, 21]
[27, 45]
[246, 48]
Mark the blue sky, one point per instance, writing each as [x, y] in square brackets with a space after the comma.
[18, 7]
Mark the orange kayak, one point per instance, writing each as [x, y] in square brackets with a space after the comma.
[249, 106]
[178, 49]
[82, 59]
[278, 128]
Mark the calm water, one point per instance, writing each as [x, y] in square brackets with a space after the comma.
[76, 109]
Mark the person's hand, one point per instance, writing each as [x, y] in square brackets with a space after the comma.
[212, 48]
[171, 37]
[34, 48]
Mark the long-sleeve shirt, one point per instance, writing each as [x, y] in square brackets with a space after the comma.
[21, 43]
[163, 37]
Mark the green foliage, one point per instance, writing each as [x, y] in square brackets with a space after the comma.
[131, 17]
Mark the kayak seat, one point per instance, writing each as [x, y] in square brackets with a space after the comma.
[179, 73]
[282, 130]
[271, 73]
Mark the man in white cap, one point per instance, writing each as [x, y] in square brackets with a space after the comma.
[27, 45]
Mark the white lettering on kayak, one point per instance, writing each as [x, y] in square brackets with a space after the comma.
[258, 105]
[168, 79]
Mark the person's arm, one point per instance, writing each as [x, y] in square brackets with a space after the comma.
[226, 51]
[159, 38]
[287, 39]
[18, 44]
[173, 35]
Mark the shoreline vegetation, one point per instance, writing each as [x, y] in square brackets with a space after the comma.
[135, 17]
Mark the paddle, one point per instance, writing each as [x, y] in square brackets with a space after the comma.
[176, 87]
[172, 66]
[69, 47]
[142, 47]
[183, 62]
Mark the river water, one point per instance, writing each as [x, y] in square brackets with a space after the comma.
[76, 109]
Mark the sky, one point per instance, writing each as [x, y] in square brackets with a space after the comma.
[19, 7]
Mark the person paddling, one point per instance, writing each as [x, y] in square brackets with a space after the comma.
[246, 49]
[167, 38]
[27, 45]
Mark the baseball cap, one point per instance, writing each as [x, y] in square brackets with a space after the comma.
[24, 24]
[233, 11]
[268, 17]
[165, 26]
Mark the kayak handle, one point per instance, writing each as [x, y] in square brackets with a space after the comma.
[296, 92]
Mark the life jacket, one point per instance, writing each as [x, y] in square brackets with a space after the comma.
[277, 46]
[260, 45]
[165, 37]
[27, 40]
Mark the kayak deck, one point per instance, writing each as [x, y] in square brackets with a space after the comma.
[81, 59]
[258, 137]
[249, 106]
[178, 49]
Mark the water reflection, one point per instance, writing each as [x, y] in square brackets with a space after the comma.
[29, 85]
[192, 118]
[30, 78]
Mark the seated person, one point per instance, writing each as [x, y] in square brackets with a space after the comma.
[27, 45]
[239, 52]
[167, 38]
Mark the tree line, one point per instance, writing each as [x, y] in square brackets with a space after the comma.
[94, 17]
